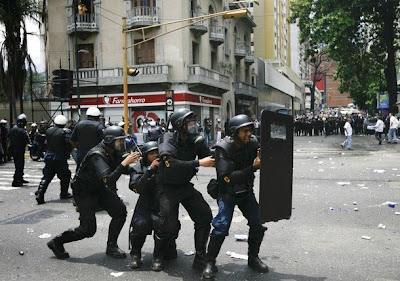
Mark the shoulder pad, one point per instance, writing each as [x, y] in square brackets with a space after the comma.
[226, 144]
[199, 139]
[166, 145]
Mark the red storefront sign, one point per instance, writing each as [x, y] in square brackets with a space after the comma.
[144, 100]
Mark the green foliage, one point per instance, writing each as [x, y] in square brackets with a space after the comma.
[361, 36]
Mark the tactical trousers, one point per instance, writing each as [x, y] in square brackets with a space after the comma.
[59, 168]
[247, 204]
[87, 203]
[19, 162]
[199, 211]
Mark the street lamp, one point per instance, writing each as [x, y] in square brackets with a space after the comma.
[237, 13]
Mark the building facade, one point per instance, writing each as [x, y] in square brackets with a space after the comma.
[207, 65]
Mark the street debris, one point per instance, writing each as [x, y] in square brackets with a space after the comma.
[354, 203]
[21, 253]
[366, 237]
[237, 256]
[116, 274]
[190, 253]
[241, 237]
[315, 157]
[29, 230]
[331, 208]
[343, 183]
[361, 184]
[397, 213]
[379, 171]
[356, 209]
[321, 170]
[390, 204]
[45, 235]
[381, 226]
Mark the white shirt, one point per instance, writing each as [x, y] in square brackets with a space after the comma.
[379, 126]
[393, 122]
[348, 129]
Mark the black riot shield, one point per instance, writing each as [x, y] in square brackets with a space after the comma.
[276, 172]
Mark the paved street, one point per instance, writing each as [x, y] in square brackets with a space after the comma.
[322, 241]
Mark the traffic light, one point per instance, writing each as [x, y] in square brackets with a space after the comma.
[133, 71]
[62, 82]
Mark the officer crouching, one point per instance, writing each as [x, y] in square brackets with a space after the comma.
[95, 185]
[236, 160]
[55, 159]
[145, 216]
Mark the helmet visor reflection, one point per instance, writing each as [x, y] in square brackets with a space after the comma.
[120, 144]
[190, 127]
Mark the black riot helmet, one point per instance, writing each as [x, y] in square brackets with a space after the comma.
[21, 120]
[183, 120]
[237, 122]
[114, 138]
[148, 147]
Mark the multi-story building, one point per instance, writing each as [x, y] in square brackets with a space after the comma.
[272, 42]
[208, 65]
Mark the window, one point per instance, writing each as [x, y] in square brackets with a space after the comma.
[145, 52]
[144, 3]
[195, 53]
[86, 56]
[214, 60]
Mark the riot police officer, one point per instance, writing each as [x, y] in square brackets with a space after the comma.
[93, 185]
[178, 164]
[19, 139]
[32, 133]
[57, 154]
[142, 181]
[87, 134]
[237, 158]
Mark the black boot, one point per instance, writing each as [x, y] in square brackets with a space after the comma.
[170, 251]
[57, 244]
[114, 229]
[254, 247]
[200, 242]
[64, 194]
[41, 191]
[159, 249]
[214, 246]
[137, 242]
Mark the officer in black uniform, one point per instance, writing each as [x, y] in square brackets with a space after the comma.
[237, 158]
[3, 141]
[87, 134]
[57, 154]
[40, 137]
[94, 184]
[19, 139]
[146, 211]
[178, 164]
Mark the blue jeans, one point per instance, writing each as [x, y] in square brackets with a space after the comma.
[392, 136]
[347, 142]
[247, 204]
[207, 136]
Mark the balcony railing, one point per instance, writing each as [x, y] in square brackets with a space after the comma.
[242, 88]
[202, 75]
[200, 27]
[240, 50]
[217, 34]
[85, 22]
[148, 73]
[249, 58]
[143, 16]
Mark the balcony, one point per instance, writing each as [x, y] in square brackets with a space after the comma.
[86, 23]
[245, 89]
[148, 74]
[199, 27]
[249, 58]
[217, 35]
[142, 16]
[240, 50]
[207, 80]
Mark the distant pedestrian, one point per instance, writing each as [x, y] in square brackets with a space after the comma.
[256, 127]
[392, 137]
[348, 131]
[207, 130]
[218, 130]
[379, 126]
[154, 131]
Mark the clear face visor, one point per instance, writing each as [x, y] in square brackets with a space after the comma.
[190, 127]
[119, 144]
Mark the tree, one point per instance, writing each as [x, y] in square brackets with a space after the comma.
[14, 50]
[361, 35]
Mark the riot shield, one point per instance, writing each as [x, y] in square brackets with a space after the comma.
[276, 172]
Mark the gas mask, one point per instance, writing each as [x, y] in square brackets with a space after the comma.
[119, 146]
[190, 129]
